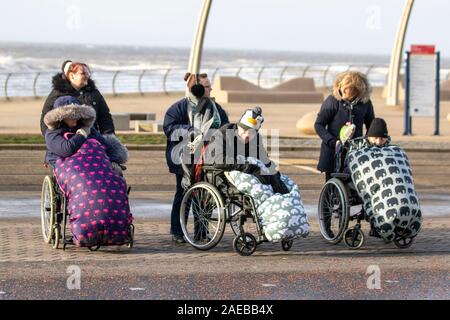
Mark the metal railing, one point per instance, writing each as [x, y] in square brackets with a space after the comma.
[38, 84]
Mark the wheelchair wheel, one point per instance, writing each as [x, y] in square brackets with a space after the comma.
[402, 242]
[47, 209]
[354, 237]
[202, 216]
[130, 236]
[56, 236]
[333, 210]
[286, 245]
[245, 244]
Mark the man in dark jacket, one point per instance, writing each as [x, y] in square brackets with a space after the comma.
[180, 120]
[349, 103]
[74, 81]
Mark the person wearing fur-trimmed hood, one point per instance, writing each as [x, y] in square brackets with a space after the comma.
[70, 124]
[84, 167]
[349, 103]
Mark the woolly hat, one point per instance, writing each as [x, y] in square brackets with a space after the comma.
[378, 128]
[251, 119]
[65, 66]
[65, 101]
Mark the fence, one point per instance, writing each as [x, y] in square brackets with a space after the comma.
[38, 84]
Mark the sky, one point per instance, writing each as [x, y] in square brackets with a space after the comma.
[345, 26]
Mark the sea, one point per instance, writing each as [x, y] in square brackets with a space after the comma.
[26, 68]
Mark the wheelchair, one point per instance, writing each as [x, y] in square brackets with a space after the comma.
[54, 216]
[337, 196]
[208, 205]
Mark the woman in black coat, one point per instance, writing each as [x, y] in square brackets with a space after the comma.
[74, 81]
[350, 102]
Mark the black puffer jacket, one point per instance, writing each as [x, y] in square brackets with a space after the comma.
[88, 95]
[332, 116]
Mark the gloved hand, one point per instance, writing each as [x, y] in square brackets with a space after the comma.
[84, 131]
[117, 169]
[252, 168]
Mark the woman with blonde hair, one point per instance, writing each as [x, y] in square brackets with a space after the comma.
[349, 103]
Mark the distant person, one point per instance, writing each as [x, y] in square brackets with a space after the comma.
[75, 81]
[349, 103]
[188, 114]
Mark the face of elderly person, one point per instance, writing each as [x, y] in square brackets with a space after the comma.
[207, 84]
[79, 77]
[246, 134]
[71, 123]
[377, 141]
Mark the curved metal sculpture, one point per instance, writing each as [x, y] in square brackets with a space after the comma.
[396, 56]
[195, 57]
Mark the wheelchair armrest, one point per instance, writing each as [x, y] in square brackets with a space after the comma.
[212, 168]
[341, 176]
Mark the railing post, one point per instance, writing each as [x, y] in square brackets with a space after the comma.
[282, 74]
[325, 75]
[114, 82]
[368, 70]
[305, 70]
[238, 72]
[6, 85]
[214, 74]
[259, 75]
[165, 80]
[34, 85]
[139, 82]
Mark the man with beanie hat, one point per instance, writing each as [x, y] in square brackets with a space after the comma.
[232, 144]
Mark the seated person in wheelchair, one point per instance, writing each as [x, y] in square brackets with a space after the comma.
[233, 143]
[71, 126]
[377, 136]
[86, 169]
[382, 175]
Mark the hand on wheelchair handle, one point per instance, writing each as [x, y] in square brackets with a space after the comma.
[253, 168]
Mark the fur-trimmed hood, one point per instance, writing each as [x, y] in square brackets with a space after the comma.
[85, 114]
[362, 85]
[63, 86]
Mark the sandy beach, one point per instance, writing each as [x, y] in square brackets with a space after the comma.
[21, 115]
